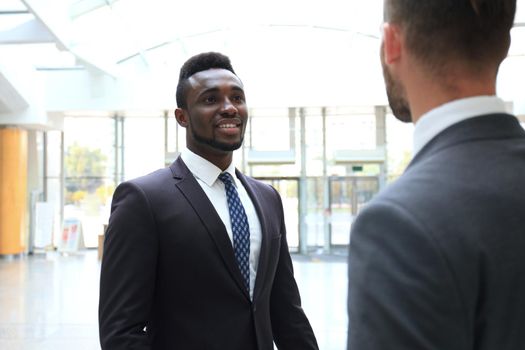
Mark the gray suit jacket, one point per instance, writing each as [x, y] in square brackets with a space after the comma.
[437, 260]
[169, 266]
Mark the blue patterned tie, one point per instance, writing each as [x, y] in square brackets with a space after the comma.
[240, 228]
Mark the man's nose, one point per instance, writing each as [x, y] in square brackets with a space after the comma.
[228, 108]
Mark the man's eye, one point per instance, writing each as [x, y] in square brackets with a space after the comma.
[238, 98]
[210, 99]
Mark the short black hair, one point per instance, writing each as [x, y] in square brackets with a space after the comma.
[199, 63]
[439, 32]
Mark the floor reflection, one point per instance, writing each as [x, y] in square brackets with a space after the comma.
[49, 301]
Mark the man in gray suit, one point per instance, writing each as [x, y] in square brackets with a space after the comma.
[437, 260]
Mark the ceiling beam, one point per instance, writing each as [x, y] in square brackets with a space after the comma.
[14, 12]
[31, 32]
[81, 7]
[39, 10]
[10, 98]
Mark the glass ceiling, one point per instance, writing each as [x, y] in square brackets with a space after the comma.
[327, 42]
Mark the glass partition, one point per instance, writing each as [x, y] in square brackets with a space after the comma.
[90, 168]
[288, 188]
[143, 145]
[53, 179]
[348, 195]
[328, 157]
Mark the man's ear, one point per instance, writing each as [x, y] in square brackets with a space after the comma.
[393, 43]
[182, 117]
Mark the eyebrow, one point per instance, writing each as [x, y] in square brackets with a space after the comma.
[216, 89]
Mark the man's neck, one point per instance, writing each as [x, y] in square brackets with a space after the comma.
[221, 159]
[425, 93]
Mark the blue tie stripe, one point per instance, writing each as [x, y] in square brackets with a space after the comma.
[240, 228]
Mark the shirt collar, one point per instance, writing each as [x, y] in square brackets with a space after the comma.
[203, 169]
[438, 119]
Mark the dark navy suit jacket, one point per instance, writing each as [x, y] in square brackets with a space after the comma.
[170, 280]
[437, 260]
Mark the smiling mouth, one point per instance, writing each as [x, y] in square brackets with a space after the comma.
[228, 126]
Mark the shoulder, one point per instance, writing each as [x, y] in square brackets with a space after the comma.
[385, 215]
[149, 186]
[426, 186]
[405, 210]
[150, 180]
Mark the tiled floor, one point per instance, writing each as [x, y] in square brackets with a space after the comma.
[49, 301]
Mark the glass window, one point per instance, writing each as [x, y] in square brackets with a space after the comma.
[314, 144]
[171, 134]
[89, 166]
[315, 212]
[53, 179]
[271, 130]
[355, 132]
[399, 146]
[143, 145]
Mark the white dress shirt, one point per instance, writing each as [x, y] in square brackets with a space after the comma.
[207, 175]
[438, 119]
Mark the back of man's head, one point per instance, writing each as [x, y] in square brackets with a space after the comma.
[199, 63]
[473, 33]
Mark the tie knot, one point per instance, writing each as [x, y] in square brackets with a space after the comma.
[226, 178]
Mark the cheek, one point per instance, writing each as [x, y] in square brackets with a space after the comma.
[242, 110]
[200, 119]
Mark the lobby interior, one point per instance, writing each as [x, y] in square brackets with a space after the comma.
[86, 101]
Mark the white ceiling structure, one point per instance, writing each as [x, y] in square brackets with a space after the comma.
[107, 55]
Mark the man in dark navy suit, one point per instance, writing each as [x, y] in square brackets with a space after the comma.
[436, 260]
[195, 255]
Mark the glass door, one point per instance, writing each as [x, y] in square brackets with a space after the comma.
[288, 188]
[348, 194]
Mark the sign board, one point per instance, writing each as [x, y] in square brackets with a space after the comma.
[71, 239]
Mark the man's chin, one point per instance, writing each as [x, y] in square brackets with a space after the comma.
[398, 104]
[226, 147]
[221, 146]
[218, 145]
[402, 113]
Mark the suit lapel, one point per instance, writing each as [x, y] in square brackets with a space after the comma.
[253, 192]
[204, 209]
